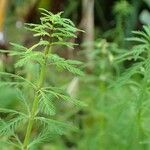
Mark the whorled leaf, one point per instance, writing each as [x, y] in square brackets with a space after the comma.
[70, 65]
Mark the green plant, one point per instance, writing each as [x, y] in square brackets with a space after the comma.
[118, 117]
[97, 122]
[122, 11]
[137, 77]
[39, 113]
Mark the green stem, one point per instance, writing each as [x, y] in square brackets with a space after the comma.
[36, 101]
[141, 99]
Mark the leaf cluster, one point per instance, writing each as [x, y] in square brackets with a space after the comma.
[139, 54]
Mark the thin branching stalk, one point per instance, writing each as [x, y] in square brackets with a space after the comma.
[53, 30]
[36, 99]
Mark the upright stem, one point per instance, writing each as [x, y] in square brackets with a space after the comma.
[141, 99]
[36, 101]
[88, 26]
[3, 4]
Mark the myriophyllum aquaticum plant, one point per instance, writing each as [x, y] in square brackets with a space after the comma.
[137, 77]
[38, 109]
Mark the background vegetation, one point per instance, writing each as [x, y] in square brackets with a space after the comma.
[116, 83]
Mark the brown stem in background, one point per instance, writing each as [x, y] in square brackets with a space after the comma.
[3, 4]
[88, 27]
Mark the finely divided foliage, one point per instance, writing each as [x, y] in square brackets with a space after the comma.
[53, 31]
[140, 55]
